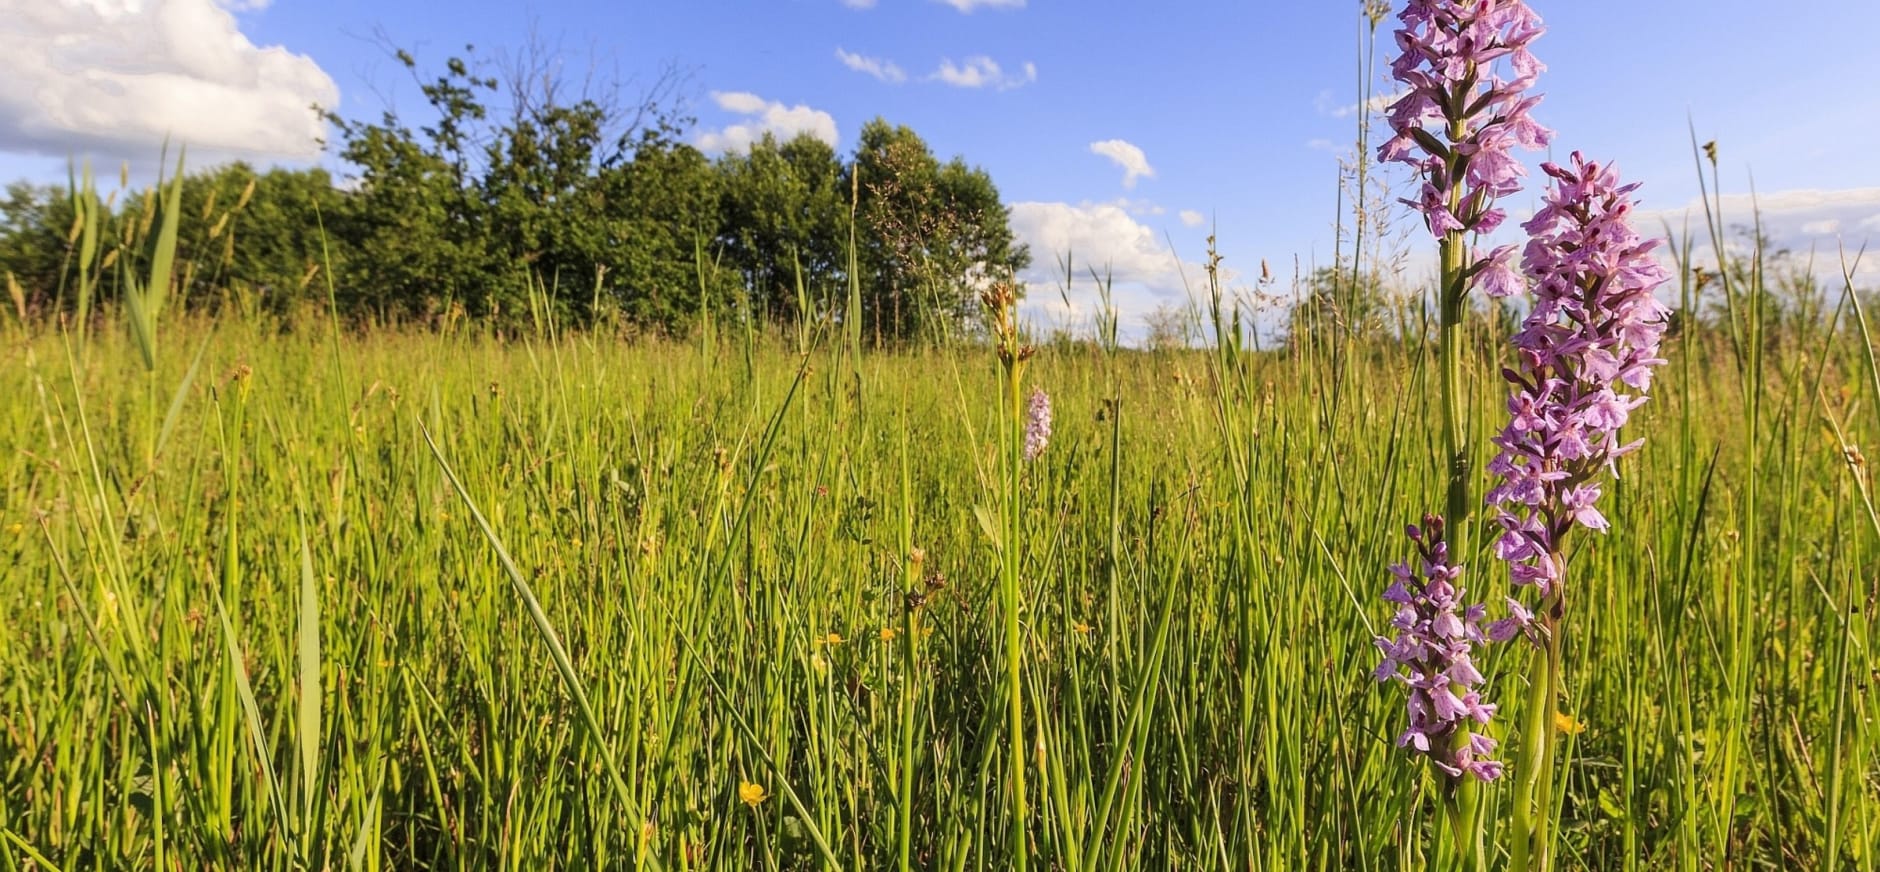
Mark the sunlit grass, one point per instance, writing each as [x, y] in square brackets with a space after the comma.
[250, 622]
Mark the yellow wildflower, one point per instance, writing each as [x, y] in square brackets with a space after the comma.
[888, 634]
[1082, 628]
[752, 795]
[1565, 723]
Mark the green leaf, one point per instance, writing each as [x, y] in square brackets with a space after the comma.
[308, 719]
[990, 525]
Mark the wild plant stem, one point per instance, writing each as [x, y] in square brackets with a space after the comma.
[1464, 807]
[910, 636]
[1455, 451]
[1014, 650]
[1532, 848]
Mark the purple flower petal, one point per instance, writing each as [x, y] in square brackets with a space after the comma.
[1587, 349]
[1432, 656]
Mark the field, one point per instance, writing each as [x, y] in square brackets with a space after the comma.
[413, 600]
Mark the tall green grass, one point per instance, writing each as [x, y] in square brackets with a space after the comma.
[439, 601]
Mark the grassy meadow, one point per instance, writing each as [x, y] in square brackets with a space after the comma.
[444, 601]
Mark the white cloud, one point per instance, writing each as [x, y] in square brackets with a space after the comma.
[859, 4]
[1142, 207]
[970, 5]
[115, 78]
[1126, 155]
[1376, 104]
[1814, 225]
[741, 102]
[761, 117]
[980, 71]
[885, 70]
[1786, 208]
[1144, 272]
[1097, 233]
[1191, 218]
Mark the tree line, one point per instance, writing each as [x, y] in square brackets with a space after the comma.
[512, 194]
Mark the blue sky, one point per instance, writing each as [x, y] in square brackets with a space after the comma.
[1231, 112]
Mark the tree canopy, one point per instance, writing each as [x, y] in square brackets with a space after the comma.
[511, 191]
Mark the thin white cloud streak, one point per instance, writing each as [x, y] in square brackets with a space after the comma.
[1377, 103]
[882, 70]
[967, 6]
[1814, 225]
[980, 71]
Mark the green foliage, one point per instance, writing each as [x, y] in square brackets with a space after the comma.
[34, 222]
[272, 247]
[668, 196]
[1198, 555]
[173, 244]
[504, 194]
[1337, 304]
[785, 209]
[415, 220]
[932, 236]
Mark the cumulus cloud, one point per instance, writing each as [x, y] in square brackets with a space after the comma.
[763, 116]
[970, 5]
[116, 78]
[1126, 155]
[1102, 233]
[885, 70]
[1145, 272]
[1191, 218]
[980, 71]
